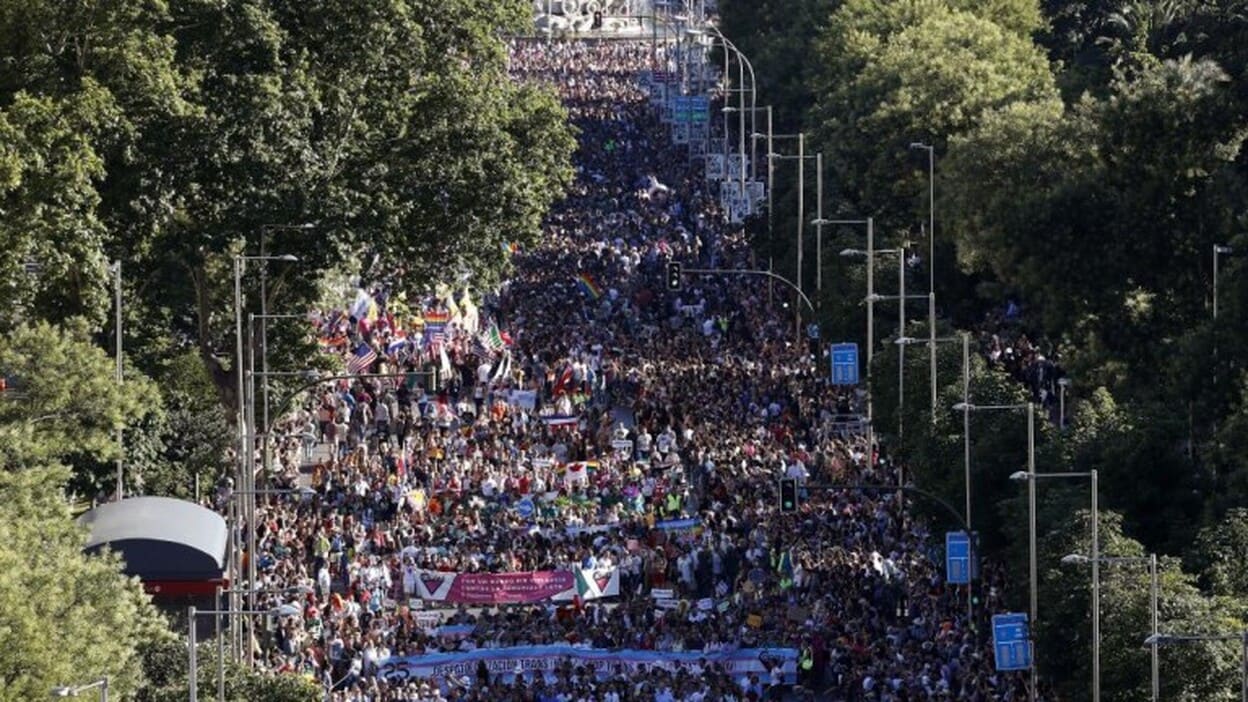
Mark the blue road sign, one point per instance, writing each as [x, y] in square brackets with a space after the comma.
[845, 364]
[1011, 643]
[957, 558]
[525, 508]
[690, 108]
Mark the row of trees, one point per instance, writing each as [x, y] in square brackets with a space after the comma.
[169, 137]
[1089, 156]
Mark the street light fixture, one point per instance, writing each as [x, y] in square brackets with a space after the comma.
[67, 691]
[1154, 593]
[192, 646]
[1242, 637]
[872, 298]
[931, 256]
[1031, 477]
[244, 426]
[869, 222]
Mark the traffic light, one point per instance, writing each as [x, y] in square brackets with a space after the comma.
[788, 495]
[673, 276]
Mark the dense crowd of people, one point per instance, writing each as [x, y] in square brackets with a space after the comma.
[585, 417]
[1008, 347]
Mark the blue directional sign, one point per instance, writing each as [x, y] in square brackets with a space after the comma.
[957, 558]
[845, 364]
[690, 108]
[1011, 643]
[525, 508]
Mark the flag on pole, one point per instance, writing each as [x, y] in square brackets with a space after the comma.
[586, 282]
[561, 420]
[493, 338]
[445, 363]
[470, 318]
[563, 384]
[362, 359]
[504, 368]
[363, 303]
[396, 345]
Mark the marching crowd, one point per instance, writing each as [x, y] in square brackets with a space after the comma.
[588, 418]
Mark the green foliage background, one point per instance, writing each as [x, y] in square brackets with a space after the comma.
[1088, 158]
[169, 136]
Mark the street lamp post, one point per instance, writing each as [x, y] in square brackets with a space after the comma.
[873, 298]
[68, 691]
[966, 408]
[801, 203]
[743, 64]
[121, 446]
[192, 643]
[217, 613]
[964, 339]
[1031, 477]
[870, 300]
[1154, 594]
[264, 375]
[1242, 637]
[1218, 250]
[1062, 384]
[264, 306]
[245, 457]
[931, 254]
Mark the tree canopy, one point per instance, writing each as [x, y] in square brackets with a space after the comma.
[1088, 159]
[69, 618]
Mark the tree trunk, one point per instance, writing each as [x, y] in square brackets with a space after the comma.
[222, 378]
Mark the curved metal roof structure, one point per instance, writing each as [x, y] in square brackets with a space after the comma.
[160, 538]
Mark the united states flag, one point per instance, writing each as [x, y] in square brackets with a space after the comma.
[362, 359]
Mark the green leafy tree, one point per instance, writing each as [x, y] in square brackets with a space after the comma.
[1220, 553]
[888, 81]
[69, 618]
[65, 401]
[1048, 199]
[80, 83]
[395, 134]
[166, 668]
[1197, 671]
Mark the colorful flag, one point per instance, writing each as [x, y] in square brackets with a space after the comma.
[561, 420]
[359, 308]
[470, 318]
[435, 326]
[362, 359]
[504, 368]
[396, 345]
[444, 363]
[562, 385]
[586, 283]
[493, 338]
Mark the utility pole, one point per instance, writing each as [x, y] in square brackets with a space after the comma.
[121, 446]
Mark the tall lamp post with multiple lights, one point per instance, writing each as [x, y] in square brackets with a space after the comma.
[243, 425]
[1155, 640]
[1154, 594]
[1031, 477]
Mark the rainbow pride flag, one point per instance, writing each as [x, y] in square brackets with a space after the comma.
[586, 283]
